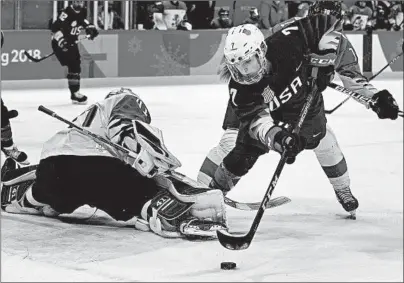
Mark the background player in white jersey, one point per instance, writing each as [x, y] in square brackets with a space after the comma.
[75, 170]
[284, 104]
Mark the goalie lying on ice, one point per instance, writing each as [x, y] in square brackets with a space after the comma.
[76, 170]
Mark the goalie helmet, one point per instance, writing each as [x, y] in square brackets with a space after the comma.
[120, 91]
[333, 8]
[244, 53]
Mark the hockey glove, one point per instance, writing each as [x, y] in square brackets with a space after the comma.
[324, 60]
[386, 106]
[322, 36]
[281, 139]
[62, 43]
[92, 31]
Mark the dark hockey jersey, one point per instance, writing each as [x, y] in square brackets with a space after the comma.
[280, 95]
[70, 23]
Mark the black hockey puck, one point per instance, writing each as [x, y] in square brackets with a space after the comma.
[227, 265]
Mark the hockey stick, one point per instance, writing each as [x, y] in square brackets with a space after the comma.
[238, 205]
[247, 206]
[242, 242]
[256, 205]
[332, 85]
[366, 100]
[36, 60]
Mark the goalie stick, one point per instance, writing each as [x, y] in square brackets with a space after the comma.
[247, 206]
[36, 60]
[238, 205]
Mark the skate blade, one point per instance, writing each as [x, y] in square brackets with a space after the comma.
[79, 103]
[351, 216]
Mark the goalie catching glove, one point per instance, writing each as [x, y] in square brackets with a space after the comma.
[182, 210]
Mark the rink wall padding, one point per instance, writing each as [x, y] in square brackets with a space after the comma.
[150, 56]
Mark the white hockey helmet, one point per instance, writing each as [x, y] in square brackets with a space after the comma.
[244, 53]
[121, 90]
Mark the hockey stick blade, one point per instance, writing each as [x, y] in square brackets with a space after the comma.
[255, 205]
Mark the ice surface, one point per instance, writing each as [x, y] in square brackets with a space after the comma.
[304, 240]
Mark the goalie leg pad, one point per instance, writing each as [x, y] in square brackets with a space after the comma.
[172, 210]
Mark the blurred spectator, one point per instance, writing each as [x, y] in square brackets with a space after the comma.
[303, 9]
[144, 15]
[273, 12]
[298, 8]
[114, 21]
[359, 17]
[382, 16]
[254, 18]
[242, 10]
[171, 15]
[222, 21]
[396, 16]
[200, 13]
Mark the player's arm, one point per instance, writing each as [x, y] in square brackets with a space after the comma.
[90, 29]
[58, 29]
[349, 71]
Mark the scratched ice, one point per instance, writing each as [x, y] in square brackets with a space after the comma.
[304, 240]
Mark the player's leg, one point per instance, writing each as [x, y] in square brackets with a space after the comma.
[50, 188]
[7, 143]
[226, 144]
[238, 162]
[74, 75]
[333, 162]
[71, 59]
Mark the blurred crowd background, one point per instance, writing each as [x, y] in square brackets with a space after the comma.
[193, 15]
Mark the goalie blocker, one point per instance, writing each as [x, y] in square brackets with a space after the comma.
[134, 188]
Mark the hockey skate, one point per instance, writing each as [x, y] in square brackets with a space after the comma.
[348, 201]
[16, 154]
[78, 98]
[8, 165]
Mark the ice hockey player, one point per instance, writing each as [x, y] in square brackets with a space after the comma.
[65, 32]
[75, 170]
[267, 92]
[8, 146]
